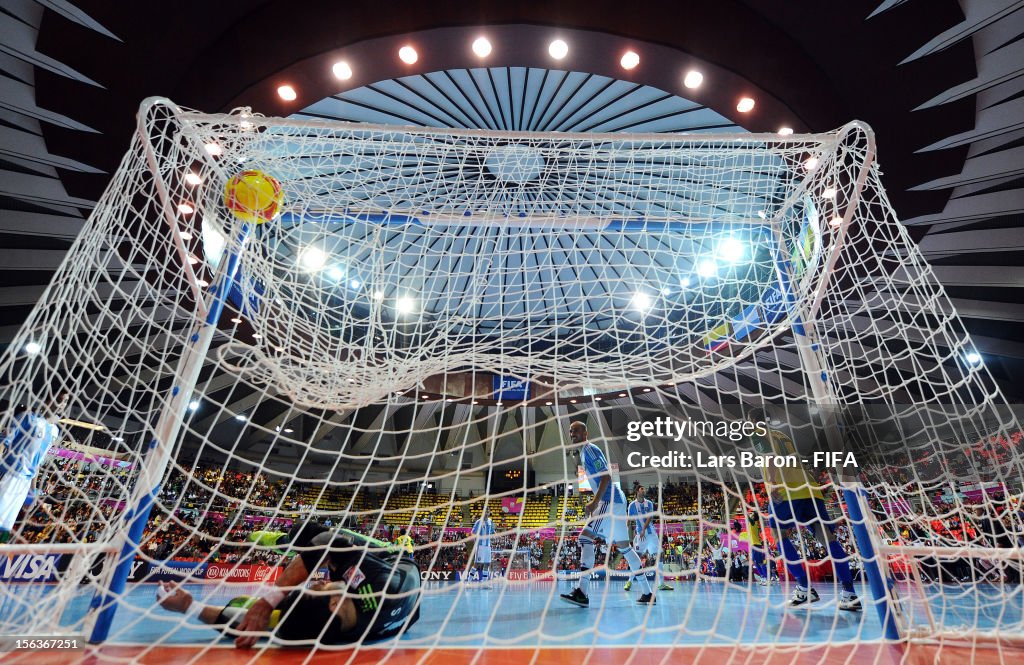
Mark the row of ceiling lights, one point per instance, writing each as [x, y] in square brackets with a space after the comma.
[558, 49]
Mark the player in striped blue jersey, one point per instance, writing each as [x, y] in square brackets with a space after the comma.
[645, 536]
[483, 529]
[24, 450]
[606, 518]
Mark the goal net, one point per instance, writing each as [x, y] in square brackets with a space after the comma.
[411, 337]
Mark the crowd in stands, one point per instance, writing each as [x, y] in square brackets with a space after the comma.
[208, 513]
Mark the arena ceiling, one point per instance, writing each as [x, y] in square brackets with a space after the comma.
[940, 81]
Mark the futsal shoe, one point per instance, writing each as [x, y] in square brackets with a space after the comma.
[665, 587]
[647, 599]
[577, 597]
[850, 602]
[628, 585]
[800, 597]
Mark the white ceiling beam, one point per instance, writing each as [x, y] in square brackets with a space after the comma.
[979, 15]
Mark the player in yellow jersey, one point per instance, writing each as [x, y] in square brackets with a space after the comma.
[797, 501]
[404, 541]
[757, 547]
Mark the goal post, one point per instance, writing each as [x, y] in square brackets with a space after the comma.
[425, 316]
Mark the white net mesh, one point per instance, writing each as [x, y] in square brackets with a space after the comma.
[414, 334]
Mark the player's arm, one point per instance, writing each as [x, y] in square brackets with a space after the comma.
[257, 619]
[601, 489]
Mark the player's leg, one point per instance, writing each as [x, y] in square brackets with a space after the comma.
[760, 569]
[825, 531]
[784, 520]
[588, 554]
[653, 549]
[618, 533]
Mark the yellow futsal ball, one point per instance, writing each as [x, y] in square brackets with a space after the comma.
[254, 196]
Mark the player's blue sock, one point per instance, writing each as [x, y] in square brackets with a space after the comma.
[485, 574]
[841, 562]
[634, 567]
[759, 566]
[587, 557]
[794, 563]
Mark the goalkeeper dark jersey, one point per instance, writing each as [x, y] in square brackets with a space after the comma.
[384, 585]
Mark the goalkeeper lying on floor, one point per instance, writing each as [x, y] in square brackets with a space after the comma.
[373, 593]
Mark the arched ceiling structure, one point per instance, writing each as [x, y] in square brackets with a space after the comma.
[940, 81]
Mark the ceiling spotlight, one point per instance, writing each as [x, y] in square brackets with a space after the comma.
[186, 208]
[202, 282]
[408, 55]
[237, 319]
[835, 221]
[558, 49]
[641, 301]
[335, 273]
[342, 71]
[622, 394]
[186, 235]
[405, 305]
[785, 131]
[598, 399]
[240, 418]
[973, 357]
[288, 430]
[731, 250]
[829, 193]
[707, 268]
[482, 47]
[745, 105]
[192, 179]
[355, 284]
[684, 282]
[193, 260]
[693, 79]
[214, 149]
[313, 258]
[547, 403]
[811, 164]
[630, 59]
[257, 336]
[32, 348]
[378, 295]
[647, 390]
[193, 405]
[287, 93]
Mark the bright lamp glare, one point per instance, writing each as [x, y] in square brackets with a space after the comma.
[405, 305]
[558, 49]
[32, 348]
[829, 193]
[482, 47]
[973, 357]
[193, 179]
[641, 301]
[745, 105]
[240, 418]
[193, 405]
[287, 93]
[731, 250]
[693, 79]
[811, 163]
[785, 131]
[355, 284]
[630, 59]
[335, 273]
[707, 268]
[408, 55]
[313, 258]
[342, 70]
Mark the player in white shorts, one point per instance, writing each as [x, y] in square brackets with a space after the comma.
[483, 529]
[24, 450]
[606, 515]
[645, 536]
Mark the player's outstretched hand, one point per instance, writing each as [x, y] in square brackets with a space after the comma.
[256, 620]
